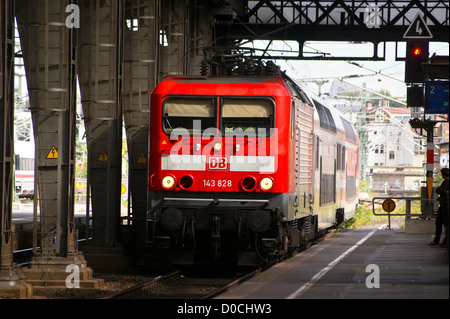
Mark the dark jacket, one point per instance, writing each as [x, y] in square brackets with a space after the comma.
[443, 197]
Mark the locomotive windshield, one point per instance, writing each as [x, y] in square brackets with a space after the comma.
[238, 116]
[244, 115]
[193, 114]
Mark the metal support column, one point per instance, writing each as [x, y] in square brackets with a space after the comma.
[100, 76]
[139, 79]
[428, 126]
[50, 62]
[199, 36]
[185, 29]
[173, 29]
[12, 282]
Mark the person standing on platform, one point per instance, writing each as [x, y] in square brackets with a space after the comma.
[442, 213]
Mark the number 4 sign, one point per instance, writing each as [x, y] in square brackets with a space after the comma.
[418, 29]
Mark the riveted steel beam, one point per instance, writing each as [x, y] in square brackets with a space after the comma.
[11, 276]
[100, 68]
[49, 52]
[6, 131]
[141, 38]
[49, 56]
[173, 35]
[332, 20]
[199, 35]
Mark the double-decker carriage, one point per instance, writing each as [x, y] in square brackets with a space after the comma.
[245, 167]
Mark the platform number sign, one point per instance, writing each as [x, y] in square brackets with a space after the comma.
[418, 29]
[436, 97]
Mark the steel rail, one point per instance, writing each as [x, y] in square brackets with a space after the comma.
[141, 286]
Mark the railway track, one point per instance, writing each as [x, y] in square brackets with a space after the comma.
[197, 282]
[23, 256]
[178, 286]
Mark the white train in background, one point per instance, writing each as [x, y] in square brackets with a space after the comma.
[24, 155]
[24, 184]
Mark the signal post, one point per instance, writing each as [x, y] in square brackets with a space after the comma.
[427, 87]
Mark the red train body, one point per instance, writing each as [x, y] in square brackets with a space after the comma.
[250, 167]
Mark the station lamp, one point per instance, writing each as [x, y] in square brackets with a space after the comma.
[416, 55]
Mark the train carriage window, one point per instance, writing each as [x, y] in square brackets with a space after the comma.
[193, 114]
[247, 116]
[298, 92]
[349, 132]
[325, 118]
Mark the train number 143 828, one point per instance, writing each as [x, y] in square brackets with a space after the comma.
[218, 183]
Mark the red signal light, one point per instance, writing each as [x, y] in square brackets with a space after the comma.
[416, 55]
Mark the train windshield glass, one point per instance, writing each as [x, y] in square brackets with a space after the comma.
[247, 116]
[193, 114]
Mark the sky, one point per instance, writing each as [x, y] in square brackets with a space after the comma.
[375, 75]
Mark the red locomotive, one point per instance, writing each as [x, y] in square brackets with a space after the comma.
[250, 167]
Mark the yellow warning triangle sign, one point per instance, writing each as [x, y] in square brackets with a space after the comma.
[53, 154]
[103, 157]
[142, 159]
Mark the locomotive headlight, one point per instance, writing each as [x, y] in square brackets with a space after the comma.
[266, 183]
[218, 146]
[168, 182]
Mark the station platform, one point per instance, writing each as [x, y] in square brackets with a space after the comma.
[372, 263]
[22, 224]
[356, 264]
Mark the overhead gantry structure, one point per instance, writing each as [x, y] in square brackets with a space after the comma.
[118, 50]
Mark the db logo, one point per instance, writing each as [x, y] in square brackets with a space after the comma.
[217, 163]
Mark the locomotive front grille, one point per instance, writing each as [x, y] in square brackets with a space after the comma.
[221, 203]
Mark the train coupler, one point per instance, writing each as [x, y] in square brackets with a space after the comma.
[216, 225]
